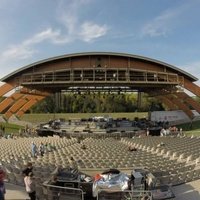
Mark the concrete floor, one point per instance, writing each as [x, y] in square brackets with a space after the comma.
[188, 191]
[14, 192]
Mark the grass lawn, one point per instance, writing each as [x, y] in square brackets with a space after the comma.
[191, 129]
[10, 128]
[193, 132]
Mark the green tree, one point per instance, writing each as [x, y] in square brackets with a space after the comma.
[97, 102]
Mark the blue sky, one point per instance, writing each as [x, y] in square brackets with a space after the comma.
[166, 30]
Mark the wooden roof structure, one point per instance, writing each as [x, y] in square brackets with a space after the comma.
[98, 71]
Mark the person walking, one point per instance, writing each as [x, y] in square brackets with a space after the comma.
[30, 186]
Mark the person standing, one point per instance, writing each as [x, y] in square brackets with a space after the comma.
[2, 190]
[147, 132]
[30, 186]
[33, 149]
[41, 149]
[28, 169]
[72, 164]
[181, 132]
[2, 185]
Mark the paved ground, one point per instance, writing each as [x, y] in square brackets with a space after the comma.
[189, 191]
[14, 192]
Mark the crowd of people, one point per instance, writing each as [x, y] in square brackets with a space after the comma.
[171, 131]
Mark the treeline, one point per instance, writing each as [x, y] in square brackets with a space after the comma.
[96, 103]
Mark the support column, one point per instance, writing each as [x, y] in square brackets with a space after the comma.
[139, 100]
[57, 100]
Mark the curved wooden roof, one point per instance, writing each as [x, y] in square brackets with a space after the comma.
[97, 71]
[141, 58]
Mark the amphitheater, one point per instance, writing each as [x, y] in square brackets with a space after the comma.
[177, 162]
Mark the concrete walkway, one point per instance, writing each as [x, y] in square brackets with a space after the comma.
[15, 192]
[188, 191]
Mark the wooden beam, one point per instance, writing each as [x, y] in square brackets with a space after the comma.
[22, 105]
[189, 100]
[33, 100]
[178, 102]
[195, 89]
[5, 88]
[16, 106]
[167, 102]
[9, 101]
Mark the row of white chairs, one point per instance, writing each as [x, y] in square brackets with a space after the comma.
[99, 153]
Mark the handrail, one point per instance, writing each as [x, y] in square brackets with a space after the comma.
[127, 194]
[65, 188]
[106, 75]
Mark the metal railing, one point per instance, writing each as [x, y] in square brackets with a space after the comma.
[102, 75]
[52, 192]
[124, 195]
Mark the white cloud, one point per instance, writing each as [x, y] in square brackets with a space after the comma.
[154, 30]
[20, 52]
[69, 28]
[162, 24]
[69, 17]
[47, 34]
[26, 49]
[158, 26]
[90, 31]
[75, 26]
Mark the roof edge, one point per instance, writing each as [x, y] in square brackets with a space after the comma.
[99, 53]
